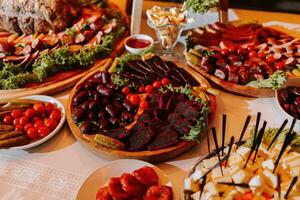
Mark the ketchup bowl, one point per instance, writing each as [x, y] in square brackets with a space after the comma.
[137, 43]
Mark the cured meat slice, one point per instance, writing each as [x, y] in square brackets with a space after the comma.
[139, 137]
[182, 127]
[118, 133]
[156, 125]
[166, 138]
[186, 110]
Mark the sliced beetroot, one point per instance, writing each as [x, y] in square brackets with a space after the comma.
[187, 111]
[156, 124]
[182, 126]
[118, 133]
[146, 175]
[173, 118]
[144, 119]
[166, 138]
[139, 138]
[132, 186]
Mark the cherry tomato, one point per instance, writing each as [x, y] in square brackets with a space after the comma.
[30, 113]
[51, 124]
[126, 90]
[224, 52]
[165, 81]
[8, 120]
[250, 47]
[149, 88]
[146, 175]
[144, 105]
[261, 55]
[232, 49]
[16, 121]
[280, 65]
[270, 59]
[266, 196]
[247, 195]
[43, 131]
[28, 126]
[134, 99]
[156, 84]
[132, 186]
[32, 133]
[24, 120]
[49, 107]
[115, 189]
[142, 89]
[19, 127]
[252, 54]
[16, 113]
[55, 115]
[128, 97]
[39, 108]
[241, 51]
[38, 124]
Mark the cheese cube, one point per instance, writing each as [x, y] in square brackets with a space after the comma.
[190, 184]
[199, 173]
[196, 196]
[233, 170]
[231, 192]
[235, 159]
[270, 178]
[243, 151]
[268, 164]
[242, 176]
[211, 189]
[291, 156]
[209, 163]
[222, 187]
[263, 152]
[257, 184]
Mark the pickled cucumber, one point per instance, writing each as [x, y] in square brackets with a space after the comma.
[109, 142]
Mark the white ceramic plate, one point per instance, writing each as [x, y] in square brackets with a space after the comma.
[60, 106]
[101, 176]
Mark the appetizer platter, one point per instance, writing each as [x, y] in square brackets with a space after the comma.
[247, 59]
[265, 166]
[30, 121]
[126, 179]
[131, 110]
[42, 54]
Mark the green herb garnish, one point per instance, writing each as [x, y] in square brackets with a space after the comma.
[275, 81]
[200, 6]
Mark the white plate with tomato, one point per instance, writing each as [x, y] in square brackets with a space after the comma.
[126, 179]
[39, 121]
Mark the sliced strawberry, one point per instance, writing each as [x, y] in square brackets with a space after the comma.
[146, 175]
[116, 191]
[103, 194]
[158, 192]
[132, 186]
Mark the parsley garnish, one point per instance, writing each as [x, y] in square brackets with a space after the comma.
[200, 6]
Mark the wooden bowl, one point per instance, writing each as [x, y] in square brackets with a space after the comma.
[151, 156]
[65, 79]
[235, 88]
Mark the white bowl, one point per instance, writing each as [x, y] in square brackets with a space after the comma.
[58, 127]
[138, 36]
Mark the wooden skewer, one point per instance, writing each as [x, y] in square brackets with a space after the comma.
[229, 150]
[214, 132]
[244, 130]
[291, 187]
[278, 132]
[278, 186]
[223, 132]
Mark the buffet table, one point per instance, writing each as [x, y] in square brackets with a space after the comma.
[56, 169]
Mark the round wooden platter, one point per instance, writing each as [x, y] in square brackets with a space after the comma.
[150, 156]
[235, 88]
[65, 79]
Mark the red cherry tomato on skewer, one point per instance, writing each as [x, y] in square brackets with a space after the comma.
[8, 120]
[165, 81]
[126, 90]
[156, 84]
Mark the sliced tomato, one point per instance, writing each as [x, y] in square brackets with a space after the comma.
[132, 186]
[146, 175]
[266, 195]
[159, 192]
[116, 191]
[247, 195]
[103, 194]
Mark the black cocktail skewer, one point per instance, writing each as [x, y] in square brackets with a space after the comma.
[229, 149]
[202, 186]
[214, 132]
[259, 139]
[256, 125]
[223, 132]
[291, 187]
[206, 132]
[278, 185]
[243, 131]
[278, 132]
[288, 139]
[243, 185]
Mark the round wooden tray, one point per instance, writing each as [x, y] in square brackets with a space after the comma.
[151, 156]
[235, 88]
[63, 80]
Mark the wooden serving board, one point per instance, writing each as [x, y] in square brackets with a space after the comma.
[151, 156]
[235, 88]
[65, 79]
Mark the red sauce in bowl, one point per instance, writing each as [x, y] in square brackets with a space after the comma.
[137, 43]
